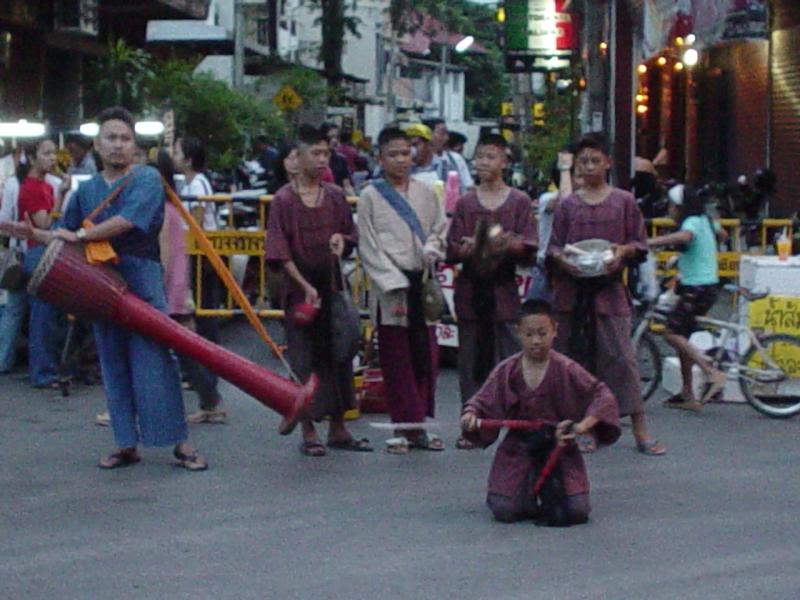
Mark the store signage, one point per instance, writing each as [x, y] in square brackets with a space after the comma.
[537, 29]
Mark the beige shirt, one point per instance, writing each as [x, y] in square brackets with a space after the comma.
[387, 246]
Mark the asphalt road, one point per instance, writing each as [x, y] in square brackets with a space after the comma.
[715, 518]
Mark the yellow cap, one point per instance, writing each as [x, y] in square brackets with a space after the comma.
[419, 130]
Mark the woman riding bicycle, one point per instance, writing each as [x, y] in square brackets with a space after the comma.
[697, 289]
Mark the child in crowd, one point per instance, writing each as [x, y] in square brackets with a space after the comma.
[540, 384]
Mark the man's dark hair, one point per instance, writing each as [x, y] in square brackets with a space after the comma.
[79, 139]
[595, 141]
[262, 139]
[308, 135]
[493, 139]
[194, 149]
[535, 307]
[117, 113]
[391, 134]
[432, 123]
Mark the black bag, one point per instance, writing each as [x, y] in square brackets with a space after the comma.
[12, 277]
[552, 496]
[345, 323]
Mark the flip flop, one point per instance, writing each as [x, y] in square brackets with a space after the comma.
[427, 441]
[651, 448]
[190, 462]
[587, 444]
[352, 444]
[463, 443]
[314, 449]
[715, 387]
[397, 445]
[121, 458]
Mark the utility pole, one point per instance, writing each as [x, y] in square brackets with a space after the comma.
[443, 77]
[238, 44]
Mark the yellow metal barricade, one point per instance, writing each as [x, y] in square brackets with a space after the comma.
[728, 260]
[230, 242]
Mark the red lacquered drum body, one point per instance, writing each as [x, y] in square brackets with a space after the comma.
[64, 279]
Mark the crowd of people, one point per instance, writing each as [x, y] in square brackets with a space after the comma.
[562, 355]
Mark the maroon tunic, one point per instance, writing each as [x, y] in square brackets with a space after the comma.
[567, 391]
[514, 215]
[302, 234]
[616, 219]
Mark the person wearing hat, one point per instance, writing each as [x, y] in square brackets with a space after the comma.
[426, 166]
[698, 287]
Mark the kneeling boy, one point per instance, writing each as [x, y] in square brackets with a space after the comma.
[540, 384]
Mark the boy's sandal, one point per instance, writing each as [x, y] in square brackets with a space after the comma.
[314, 449]
[651, 448]
[427, 441]
[397, 445]
[463, 443]
[212, 417]
[121, 458]
[190, 462]
[352, 444]
[586, 444]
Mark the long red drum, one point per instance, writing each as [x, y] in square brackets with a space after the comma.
[98, 293]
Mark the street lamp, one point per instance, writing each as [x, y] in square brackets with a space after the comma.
[149, 128]
[89, 129]
[21, 129]
[691, 57]
[463, 45]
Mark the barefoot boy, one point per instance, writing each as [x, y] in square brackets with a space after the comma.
[540, 384]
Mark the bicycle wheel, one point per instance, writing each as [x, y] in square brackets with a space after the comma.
[648, 357]
[771, 381]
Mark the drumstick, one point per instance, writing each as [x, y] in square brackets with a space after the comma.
[519, 425]
[406, 426]
[225, 274]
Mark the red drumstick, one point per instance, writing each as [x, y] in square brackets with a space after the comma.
[518, 424]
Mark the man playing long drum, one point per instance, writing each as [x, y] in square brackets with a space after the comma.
[133, 333]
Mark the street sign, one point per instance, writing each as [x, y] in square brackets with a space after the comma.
[287, 98]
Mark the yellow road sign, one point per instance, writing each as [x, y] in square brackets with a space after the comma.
[287, 98]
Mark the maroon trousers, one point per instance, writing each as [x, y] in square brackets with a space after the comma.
[409, 359]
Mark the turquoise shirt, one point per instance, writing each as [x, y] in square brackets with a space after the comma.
[698, 263]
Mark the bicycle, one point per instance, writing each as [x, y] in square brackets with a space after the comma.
[768, 371]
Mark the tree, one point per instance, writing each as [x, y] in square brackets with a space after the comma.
[122, 77]
[335, 24]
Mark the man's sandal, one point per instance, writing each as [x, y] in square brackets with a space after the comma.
[212, 417]
[191, 462]
[120, 458]
[651, 448]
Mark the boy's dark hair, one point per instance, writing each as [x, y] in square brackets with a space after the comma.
[194, 149]
[308, 135]
[595, 141]
[694, 203]
[391, 134]
[535, 307]
[432, 123]
[166, 166]
[117, 113]
[454, 138]
[493, 139]
[79, 139]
